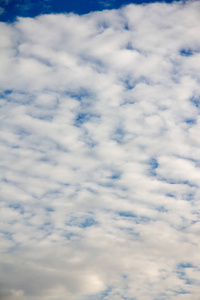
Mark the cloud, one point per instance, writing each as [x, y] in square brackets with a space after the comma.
[100, 147]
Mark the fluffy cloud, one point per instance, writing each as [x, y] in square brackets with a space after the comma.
[100, 155]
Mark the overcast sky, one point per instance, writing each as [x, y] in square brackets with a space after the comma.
[100, 155]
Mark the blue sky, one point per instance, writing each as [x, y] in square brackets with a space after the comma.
[26, 8]
[100, 148]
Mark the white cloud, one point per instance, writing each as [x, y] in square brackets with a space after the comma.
[100, 146]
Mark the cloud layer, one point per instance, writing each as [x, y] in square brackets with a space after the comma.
[100, 147]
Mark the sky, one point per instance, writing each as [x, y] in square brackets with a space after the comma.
[100, 151]
[10, 9]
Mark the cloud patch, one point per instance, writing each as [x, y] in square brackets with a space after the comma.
[100, 146]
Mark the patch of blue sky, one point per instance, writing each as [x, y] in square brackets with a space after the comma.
[80, 221]
[92, 191]
[185, 265]
[15, 147]
[8, 235]
[52, 194]
[195, 101]
[137, 219]
[115, 175]
[101, 296]
[7, 180]
[103, 25]
[128, 101]
[5, 93]
[32, 8]
[143, 219]
[46, 229]
[174, 182]
[186, 52]
[129, 45]
[183, 292]
[190, 121]
[43, 61]
[189, 196]
[70, 235]
[129, 83]
[90, 142]
[79, 94]
[153, 163]
[124, 276]
[185, 196]
[110, 293]
[83, 118]
[44, 159]
[22, 132]
[131, 231]
[119, 135]
[49, 209]
[127, 214]
[181, 272]
[95, 63]
[112, 181]
[161, 209]
[170, 195]
[88, 223]
[180, 292]
[175, 292]
[189, 282]
[65, 184]
[17, 206]
[195, 221]
[162, 296]
[45, 226]
[16, 96]
[188, 158]
[183, 224]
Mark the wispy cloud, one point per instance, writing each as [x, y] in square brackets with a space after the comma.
[100, 165]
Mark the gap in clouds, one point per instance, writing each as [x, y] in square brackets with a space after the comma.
[10, 9]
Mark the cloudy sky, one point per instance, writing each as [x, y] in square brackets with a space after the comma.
[100, 154]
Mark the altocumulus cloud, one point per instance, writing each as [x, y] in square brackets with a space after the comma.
[100, 155]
